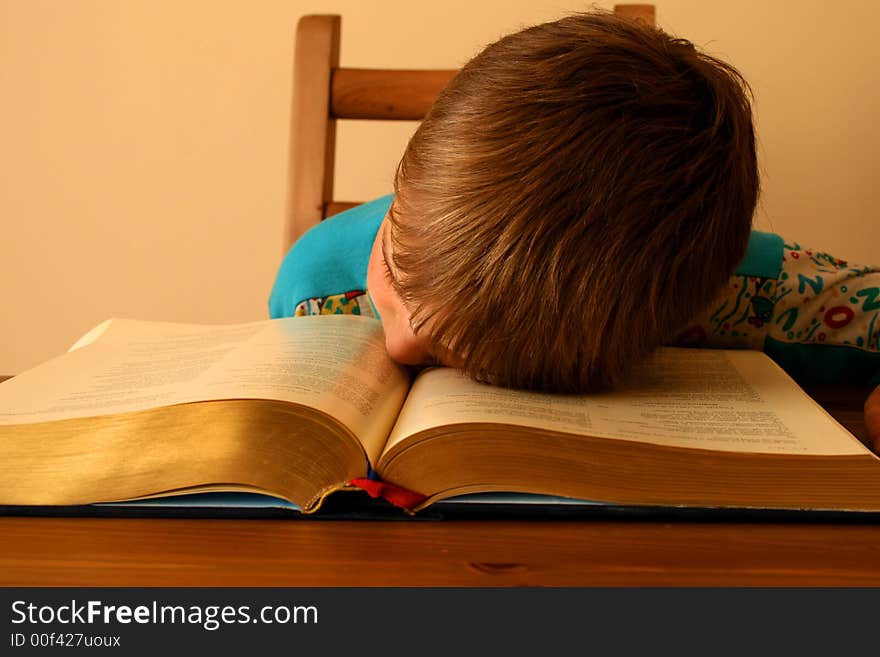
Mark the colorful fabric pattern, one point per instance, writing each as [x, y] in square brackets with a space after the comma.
[354, 302]
[821, 299]
[817, 300]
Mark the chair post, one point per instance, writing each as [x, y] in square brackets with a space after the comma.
[312, 129]
[637, 12]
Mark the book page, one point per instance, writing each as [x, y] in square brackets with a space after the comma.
[336, 364]
[700, 398]
[91, 335]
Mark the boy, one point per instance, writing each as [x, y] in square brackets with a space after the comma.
[578, 195]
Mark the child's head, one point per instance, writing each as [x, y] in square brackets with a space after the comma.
[579, 191]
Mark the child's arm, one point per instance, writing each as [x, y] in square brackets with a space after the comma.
[817, 316]
[826, 324]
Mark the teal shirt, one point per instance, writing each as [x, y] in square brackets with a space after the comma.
[330, 258]
[817, 316]
[763, 256]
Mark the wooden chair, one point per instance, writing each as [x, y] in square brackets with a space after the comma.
[324, 93]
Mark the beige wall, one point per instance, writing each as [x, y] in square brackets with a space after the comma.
[143, 144]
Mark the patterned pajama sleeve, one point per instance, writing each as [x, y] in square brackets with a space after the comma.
[820, 319]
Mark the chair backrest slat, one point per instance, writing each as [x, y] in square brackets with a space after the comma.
[383, 94]
[335, 207]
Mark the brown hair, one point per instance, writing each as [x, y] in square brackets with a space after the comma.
[579, 191]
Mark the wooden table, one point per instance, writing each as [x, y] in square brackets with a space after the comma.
[501, 552]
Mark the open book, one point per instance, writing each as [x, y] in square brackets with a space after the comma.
[299, 408]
